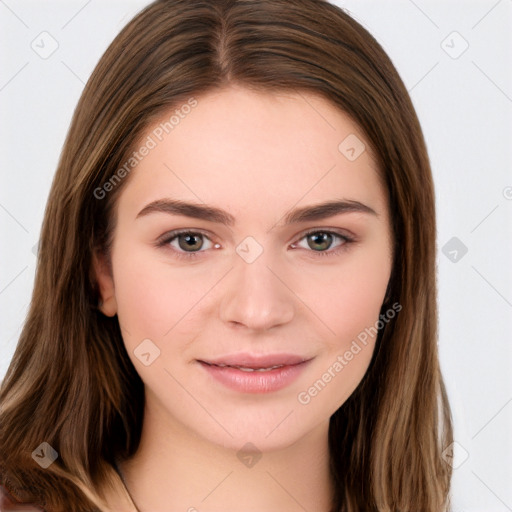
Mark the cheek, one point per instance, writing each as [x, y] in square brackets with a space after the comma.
[155, 300]
[350, 308]
[147, 304]
[346, 297]
[361, 298]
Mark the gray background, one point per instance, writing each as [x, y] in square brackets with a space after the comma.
[455, 59]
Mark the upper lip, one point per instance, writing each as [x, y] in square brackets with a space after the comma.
[257, 361]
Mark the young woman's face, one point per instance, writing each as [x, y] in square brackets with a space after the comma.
[267, 278]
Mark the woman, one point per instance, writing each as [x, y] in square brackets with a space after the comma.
[235, 300]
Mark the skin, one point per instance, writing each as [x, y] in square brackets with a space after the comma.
[235, 150]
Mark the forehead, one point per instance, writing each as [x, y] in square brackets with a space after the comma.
[236, 147]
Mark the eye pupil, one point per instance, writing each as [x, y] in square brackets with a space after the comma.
[324, 239]
[190, 241]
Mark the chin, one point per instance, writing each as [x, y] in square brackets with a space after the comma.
[267, 432]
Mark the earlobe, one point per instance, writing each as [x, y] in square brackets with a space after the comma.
[109, 306]
[107, 303]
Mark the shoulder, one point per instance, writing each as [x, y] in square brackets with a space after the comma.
[9, 504]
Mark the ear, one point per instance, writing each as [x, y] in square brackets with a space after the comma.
[103, 274]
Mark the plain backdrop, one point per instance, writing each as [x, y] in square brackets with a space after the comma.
[455, 59]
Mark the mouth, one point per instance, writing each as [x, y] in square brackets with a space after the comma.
[256, 361]
[246, 368]
[246, 373]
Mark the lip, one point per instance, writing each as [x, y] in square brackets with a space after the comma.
[289, 367]
[257, 361]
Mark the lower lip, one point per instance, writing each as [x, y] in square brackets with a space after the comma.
[255, 382]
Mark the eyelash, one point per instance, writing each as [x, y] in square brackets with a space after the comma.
[166, 239]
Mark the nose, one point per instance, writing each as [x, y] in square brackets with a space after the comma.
[256, 295]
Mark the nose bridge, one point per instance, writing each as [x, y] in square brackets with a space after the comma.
[255, 296]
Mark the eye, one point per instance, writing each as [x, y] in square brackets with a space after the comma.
[188, 244]
[185, 243]
[320, 241]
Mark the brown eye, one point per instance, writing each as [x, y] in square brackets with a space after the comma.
[185, 243]
[190, 241]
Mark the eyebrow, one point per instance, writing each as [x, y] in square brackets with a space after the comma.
[213, 214]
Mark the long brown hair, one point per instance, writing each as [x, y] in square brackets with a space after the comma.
[71, 383]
